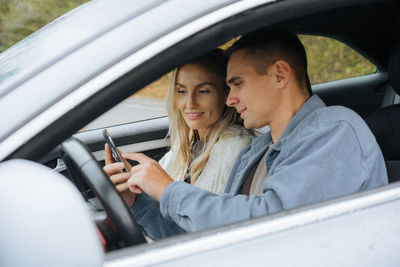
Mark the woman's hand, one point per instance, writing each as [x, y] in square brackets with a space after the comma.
[118, 177]
[148, 175]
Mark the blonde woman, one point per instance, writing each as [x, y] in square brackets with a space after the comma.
[206, 135]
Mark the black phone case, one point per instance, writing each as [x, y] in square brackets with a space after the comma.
[112, 146]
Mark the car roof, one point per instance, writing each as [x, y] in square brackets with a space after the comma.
[358, 27]
[79, 27]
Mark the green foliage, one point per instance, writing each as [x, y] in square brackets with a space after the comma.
[4, 6]
[19, 18]
[330, 60]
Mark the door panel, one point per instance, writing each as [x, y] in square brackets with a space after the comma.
[363, 94]
[148, 136]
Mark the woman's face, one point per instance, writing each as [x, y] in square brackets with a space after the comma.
[199, 96]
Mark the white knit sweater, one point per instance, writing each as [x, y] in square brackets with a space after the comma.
[222, 157]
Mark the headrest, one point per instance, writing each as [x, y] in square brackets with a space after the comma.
[394, 68]
[385, 125]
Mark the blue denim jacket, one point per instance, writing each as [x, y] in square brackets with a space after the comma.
[323, 153]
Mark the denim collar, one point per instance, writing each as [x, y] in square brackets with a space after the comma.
[313, 103]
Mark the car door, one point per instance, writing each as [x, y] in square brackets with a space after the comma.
[146, 136]
[362, 94]
[295, 232]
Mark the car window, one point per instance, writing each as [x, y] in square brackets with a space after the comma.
[148, 103]
[328, 60]
[331, 60]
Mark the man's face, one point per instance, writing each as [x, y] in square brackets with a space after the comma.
[253, 95]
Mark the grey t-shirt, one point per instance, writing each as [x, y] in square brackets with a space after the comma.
[254, 181]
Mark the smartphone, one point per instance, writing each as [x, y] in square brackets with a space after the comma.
[116, 155]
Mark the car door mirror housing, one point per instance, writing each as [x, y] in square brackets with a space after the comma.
[45, 221]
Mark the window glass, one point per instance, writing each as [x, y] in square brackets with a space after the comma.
[331, 60]
[148, 103]
[328, 60]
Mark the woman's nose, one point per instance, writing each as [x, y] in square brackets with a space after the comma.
[191, 101]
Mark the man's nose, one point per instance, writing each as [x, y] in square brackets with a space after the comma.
[232, 99]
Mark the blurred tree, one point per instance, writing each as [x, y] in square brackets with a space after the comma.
[19, 18]
[330, 60]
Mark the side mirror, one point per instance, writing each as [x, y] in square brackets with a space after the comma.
[44, 219]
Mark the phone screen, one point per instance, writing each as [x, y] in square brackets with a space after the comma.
[116, 155]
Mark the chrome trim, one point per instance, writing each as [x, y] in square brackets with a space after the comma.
[168, 250]
[60, 165]
[138, 147]
[32, 128]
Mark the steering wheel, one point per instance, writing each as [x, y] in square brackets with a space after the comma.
[84, 163]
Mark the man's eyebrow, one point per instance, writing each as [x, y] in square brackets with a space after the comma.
[233, 79]
[181, 85]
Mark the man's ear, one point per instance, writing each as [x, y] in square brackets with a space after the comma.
[283, 72]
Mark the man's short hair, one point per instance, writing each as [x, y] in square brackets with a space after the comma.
[268, 45]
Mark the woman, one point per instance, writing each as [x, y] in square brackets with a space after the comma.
[206, 135]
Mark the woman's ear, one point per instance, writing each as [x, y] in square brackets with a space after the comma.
[283, 72]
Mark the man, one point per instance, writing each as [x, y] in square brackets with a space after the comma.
[312, 152]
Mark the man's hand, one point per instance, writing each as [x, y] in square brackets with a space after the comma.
[148, 176]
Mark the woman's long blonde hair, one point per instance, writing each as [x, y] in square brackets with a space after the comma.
[182, 136]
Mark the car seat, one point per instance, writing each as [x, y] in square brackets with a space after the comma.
[385, 123]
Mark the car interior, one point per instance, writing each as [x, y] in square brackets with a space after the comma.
[375, 97]
[385, 122]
